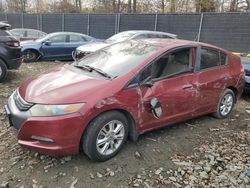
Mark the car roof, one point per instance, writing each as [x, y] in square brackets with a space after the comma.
[26, 29]
[68, 33]
[4, 25]
[175, 43]
[150, 32]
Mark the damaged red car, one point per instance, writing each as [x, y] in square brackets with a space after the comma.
[122, 91]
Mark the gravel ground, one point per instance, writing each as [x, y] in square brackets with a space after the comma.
[203, 152]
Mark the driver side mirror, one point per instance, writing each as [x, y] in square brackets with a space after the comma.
[47, 43]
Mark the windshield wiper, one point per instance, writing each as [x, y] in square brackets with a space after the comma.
[90, 69]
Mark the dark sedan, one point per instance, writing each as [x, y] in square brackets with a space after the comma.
[246, 64]
[10, 51]
[54, 46]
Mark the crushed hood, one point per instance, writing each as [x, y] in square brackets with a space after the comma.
[60, 86]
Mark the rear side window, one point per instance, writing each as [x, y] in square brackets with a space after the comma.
[19, 33]
[163, 36]
[4, 33]
[223, 58]
[31, 33]
[141, 36]
[76, 38]
[212, 58]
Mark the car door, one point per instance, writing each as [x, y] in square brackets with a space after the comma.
[74, 42]
[173, 84]
[54, 47]
[212, 77]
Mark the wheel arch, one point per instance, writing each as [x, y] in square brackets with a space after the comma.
[234, 89]
[34, 50]
[4, 61]
[133, 132]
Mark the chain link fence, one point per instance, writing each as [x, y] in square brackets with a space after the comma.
[227, 30]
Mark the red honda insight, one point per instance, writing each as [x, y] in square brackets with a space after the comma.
[122, 91]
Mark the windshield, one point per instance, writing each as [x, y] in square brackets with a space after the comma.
[120, 37]
[120, 58]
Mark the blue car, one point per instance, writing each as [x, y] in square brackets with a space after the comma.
[246, 64]
[54, 46]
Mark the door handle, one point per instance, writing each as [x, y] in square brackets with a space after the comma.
[187, 86]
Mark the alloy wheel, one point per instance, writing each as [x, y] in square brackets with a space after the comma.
[226, 104]
[29, 55]
[110, 137]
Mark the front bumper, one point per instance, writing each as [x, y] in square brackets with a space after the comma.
[78, 54]
[64, 132]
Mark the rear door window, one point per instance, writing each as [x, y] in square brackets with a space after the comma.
[212, 58]
[209, 58]
[170, 64]
[76, 38]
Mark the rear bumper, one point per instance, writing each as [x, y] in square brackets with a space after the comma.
[14, 63]
[12, 56]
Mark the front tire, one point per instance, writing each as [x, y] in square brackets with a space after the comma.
[225, 105]
[105, 136]
[3, 70]
[30, 56]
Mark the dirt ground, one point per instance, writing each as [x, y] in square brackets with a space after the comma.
[203, 152]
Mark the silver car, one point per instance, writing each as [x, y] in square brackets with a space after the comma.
[83, 50]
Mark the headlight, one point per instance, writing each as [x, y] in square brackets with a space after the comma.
[55, 110]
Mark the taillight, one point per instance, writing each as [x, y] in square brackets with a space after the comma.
[12, 43]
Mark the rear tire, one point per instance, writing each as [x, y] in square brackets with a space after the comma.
[3, 70]
[30, 56]
[105, 136]
[225, 105]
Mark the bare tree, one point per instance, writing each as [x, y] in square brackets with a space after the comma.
[129, 6]
[78, 4]
[172, 5]
[17, 5]
[1, 6]
[162, 6]
[134, 6]
[205, 6]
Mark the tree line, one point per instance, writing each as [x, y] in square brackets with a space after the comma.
[123, 6]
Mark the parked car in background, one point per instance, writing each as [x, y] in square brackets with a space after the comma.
[244, 54]
[120, 91]
[246, 64]
[27, 34]
[10, 51]
[54, 46]
[81, 51]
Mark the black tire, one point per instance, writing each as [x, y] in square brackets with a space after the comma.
[93, 131]
[218, 114]
[30, 56]
[3, 70]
